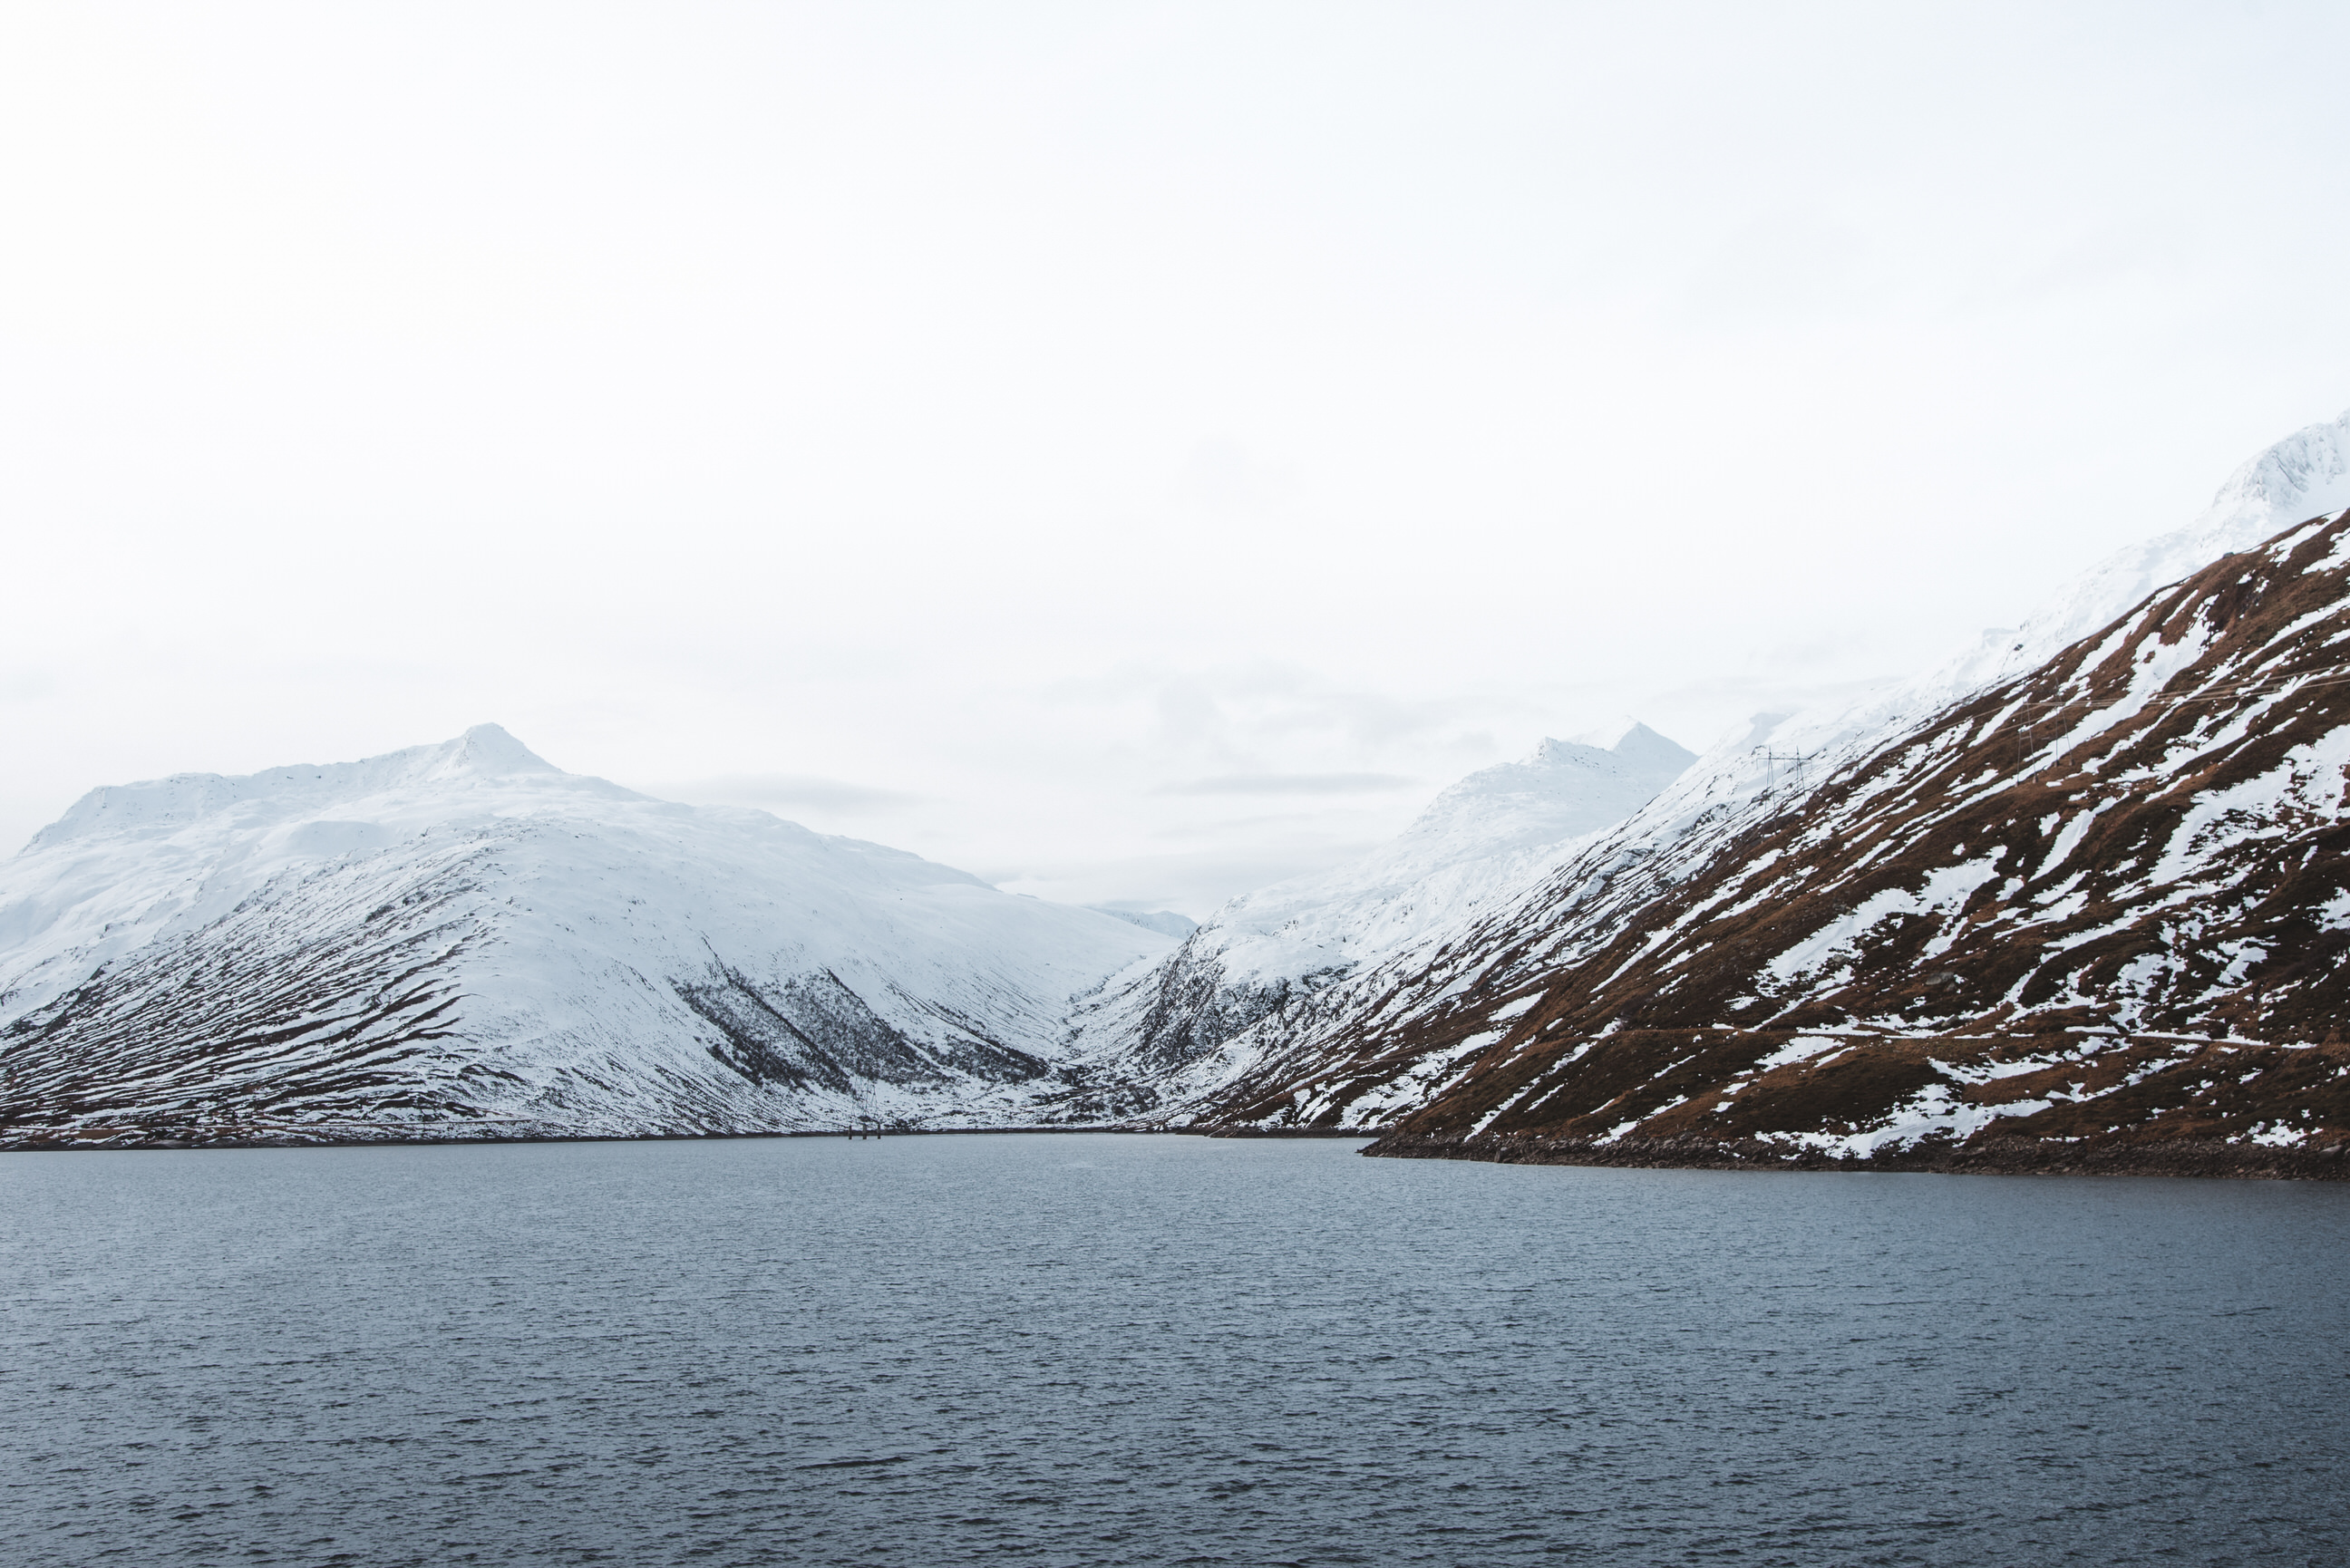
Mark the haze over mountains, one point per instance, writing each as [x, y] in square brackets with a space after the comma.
[2077, 889]
[1163, 1034]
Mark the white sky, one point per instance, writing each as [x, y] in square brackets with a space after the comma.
[1130, 451]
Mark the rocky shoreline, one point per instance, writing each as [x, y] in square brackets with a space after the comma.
[2011, 1156]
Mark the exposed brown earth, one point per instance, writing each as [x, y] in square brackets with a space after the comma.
[2094, 911]
[1983, 1157]
[2094, 918]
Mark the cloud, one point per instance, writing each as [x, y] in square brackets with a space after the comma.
[1222, 475]
[807, 790]
[1292, 784]
[1242, 714]
[1195, 884]
[26, 685]
[1782, 265]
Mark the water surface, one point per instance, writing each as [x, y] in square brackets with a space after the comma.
[1105, 1349]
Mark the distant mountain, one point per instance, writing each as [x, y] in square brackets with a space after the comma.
[1165, 922]
[2091, 914]
[462, 940]
[1159, 1037]
[2079, 898]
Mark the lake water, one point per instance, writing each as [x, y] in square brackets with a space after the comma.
[1105, 1349]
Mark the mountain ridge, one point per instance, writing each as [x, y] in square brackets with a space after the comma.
[2067, 921]
[461, 940]
[1164, 1032]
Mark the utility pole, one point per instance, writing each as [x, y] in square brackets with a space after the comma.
[1793, 761]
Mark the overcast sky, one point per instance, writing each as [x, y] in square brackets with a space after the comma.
[1130, 451]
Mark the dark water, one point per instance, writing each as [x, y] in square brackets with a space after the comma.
[1105, 1349]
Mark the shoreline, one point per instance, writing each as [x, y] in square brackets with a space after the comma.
[11, 1143]
[2209, 1159]
[2204, 1158]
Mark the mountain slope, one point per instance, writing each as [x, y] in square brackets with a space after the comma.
[2306, 474]
[1168, 1033]
[2094, 913]
[1333, 1058]
[463, 940]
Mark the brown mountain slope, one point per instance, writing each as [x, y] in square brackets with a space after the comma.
[2095, 917]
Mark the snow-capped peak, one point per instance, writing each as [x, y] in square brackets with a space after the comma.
[1640, 747]
[483, 756]
[463, 930]
[2305, 475]
[489, 751]
[1564, 789]
[1483, 835]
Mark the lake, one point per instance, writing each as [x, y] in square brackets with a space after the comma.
[1076, 1349]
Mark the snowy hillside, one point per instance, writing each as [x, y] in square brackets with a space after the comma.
[2094, 914]
[2091, 915]
[462, 938]
[1386, 1040]
[1165, 922]
[464, 941]
[1152, 1033]
[2305, 475]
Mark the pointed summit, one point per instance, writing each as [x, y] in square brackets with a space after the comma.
[2305, 475]
[489, 751]
[1609, 736]
[1646, 750]
[459, 940]
[1629, 741]
[1565, 788]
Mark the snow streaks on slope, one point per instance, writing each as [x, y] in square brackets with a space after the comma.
[2105, 872]
[1257, 968]
[462, 941]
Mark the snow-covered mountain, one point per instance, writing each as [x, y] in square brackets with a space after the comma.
[1165, 922]
[2305, 475]
[2096, 915]
[1160, 1034]
[463, 940]
[2068, 879]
